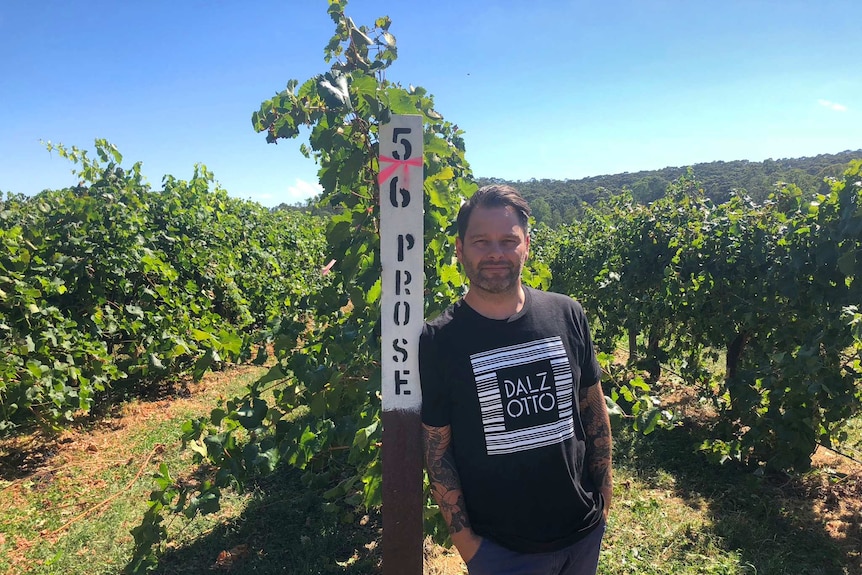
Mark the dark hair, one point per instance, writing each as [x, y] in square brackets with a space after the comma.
[494, 196]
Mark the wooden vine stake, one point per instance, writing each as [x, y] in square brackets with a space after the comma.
[401, 254]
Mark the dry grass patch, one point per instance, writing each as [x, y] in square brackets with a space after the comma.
[67, 497]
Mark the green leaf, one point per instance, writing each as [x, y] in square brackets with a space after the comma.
[639, 383]
[203, 364]
[155, 362]
[373, 293]
[449, 273]
[358, 35]
[230, 342]
[261, 357]
[217, 415]
[198, 447]
[307, 436]
[207, 502]
[274, 374]
[135, 311]
[361, 437]
[373, 481]
[649, 421]
[400, 101]
[615, 412]
[163, 477]
[252, 412]
[847, 263]
[181, 348]
[201, 335]
[317, 404]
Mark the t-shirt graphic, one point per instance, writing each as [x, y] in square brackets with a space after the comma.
[525, 395]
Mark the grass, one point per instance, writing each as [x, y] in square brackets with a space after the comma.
[281, 529]
[67, 505]
[675, 513]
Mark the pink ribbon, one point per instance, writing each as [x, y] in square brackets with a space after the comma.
[394, 167]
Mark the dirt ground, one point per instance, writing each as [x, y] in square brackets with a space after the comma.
[76, 459]
[835, 484]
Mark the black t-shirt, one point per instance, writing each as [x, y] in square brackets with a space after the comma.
[509, 390]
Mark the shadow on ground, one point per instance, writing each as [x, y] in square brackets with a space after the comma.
[283, 530]
[19, 460]
[775, 524]
[770, 520]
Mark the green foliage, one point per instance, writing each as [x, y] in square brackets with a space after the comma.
[325, 417]
[113, 285]
[634, 265]
[770, 286]
[631, 399]
[326, 409]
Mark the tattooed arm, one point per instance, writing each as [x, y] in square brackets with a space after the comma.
[597, 425]
[446, 488]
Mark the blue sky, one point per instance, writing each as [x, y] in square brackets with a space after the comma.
[543, 89]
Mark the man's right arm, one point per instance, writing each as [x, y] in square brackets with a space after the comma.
[446, 488]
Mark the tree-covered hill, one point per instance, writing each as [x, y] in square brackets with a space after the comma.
[558, 201]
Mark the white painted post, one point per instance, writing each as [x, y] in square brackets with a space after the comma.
[402, 309]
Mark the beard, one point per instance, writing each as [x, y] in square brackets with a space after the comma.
[493, 279]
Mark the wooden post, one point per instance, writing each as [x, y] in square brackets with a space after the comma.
[402, 305]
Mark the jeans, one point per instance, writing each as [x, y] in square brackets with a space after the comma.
[580, 558]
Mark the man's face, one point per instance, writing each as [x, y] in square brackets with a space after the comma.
[494, 249]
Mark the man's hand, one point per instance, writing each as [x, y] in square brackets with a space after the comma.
[467, 543]
[446, 488]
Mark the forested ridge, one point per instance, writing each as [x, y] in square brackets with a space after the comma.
[560, 201]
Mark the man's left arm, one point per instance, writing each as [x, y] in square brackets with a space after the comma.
[597, 426]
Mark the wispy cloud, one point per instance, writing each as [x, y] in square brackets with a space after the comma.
[297, 192]
[302, 190]
[832, 105]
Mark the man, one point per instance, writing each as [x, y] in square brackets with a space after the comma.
[516, 432]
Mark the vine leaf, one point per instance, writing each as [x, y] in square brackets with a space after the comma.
[252, 413]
